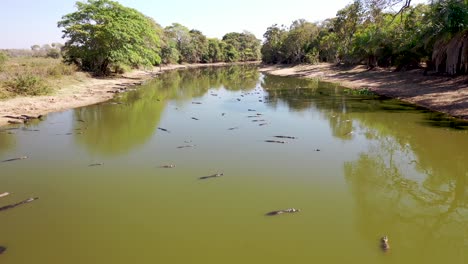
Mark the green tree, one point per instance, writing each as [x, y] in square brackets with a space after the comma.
[180, 36]
[298, 44]
[199, 46]
[215, 50]
[246, 46]
[271, 48]
[102, 33]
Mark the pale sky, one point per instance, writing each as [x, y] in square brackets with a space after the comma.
[28, 22]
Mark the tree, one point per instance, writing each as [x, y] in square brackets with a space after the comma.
[180, 35]
[215, 50]
[102, 33]
[199, 45]
[245, 44]
[271, 48]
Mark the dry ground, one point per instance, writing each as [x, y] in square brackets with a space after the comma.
[443, 94]
[81, 90]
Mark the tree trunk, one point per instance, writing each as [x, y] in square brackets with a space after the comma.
[451, 56]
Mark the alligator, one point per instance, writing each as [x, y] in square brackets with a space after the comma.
[163, 129]
[384, 243]
[251, 110]
[263, 124]
[232, 128]
[19, 158]
[258, 120]
[196, 103]
[14, 122]
[95, 164]
[276, 141]
[19, 203]
[186, 146]
[194, 118]
[211, 176]
[170, 166]
[285, 137]
[289, 210]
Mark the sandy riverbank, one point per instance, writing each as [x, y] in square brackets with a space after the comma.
[443, 94]
[83, 91]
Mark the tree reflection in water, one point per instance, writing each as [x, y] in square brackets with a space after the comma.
[116, 129]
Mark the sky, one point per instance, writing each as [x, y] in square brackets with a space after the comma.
[28, 22]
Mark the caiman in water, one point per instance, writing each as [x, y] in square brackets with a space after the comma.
[169, 166]
[276, 141]
[289, 210]
[285, 137]
[211, 176]
[384, 243]
[186, 146]
[19, 203]
[19, 158]
[163, 129]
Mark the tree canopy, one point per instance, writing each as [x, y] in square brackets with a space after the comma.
[103, 36]
[371, 32]
[103, 33]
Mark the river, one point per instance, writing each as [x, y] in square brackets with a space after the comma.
[357, 166]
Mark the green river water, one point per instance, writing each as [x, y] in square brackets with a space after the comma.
[360, 167]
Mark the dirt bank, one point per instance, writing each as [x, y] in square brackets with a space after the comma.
[83, 91]
[444, 94]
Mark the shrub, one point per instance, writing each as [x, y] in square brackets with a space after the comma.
[28, 84]
[61, 69]
[3, 59]
[120, 68]
[53, 53]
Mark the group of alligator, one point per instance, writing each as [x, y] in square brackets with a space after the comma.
[384, 244]
[22, 119]
[10, 206]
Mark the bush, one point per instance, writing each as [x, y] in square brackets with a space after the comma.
[120, 68]
[53, 53]
[61, 69]
[3, 59]
[28, 84]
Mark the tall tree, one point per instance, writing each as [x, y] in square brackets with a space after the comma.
[102, 33]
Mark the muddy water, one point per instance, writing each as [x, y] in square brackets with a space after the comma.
[359, 167]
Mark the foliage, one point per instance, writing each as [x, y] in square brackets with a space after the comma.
[103, 32]
[3, 59]
[369, 32]
[53, 53]
[28, 84]
[245, 44]
[33, 76]
[361, 91]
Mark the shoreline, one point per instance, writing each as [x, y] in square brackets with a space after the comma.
[87, 91]
[438, 93]
[448, 95]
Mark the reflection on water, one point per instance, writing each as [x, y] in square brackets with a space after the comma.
[117, 127]
[358, 167]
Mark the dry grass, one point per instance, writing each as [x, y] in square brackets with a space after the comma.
[30, 76]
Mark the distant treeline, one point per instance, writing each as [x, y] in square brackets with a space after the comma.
[104, 37]
[366, 32]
